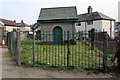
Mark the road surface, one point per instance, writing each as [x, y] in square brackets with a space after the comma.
[11, 70]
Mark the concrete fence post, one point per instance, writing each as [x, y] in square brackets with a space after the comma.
[18, 44]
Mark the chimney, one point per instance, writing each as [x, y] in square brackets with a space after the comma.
[15, 21]
[22, 21]
[90, 9]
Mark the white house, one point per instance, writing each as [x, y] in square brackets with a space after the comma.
[24, 26]
[9, 25]
[2, 27]
[95, 20]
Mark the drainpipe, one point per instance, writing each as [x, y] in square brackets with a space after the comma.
[110, 29]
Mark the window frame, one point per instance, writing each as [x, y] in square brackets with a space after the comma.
[78, 23]
[89, 22]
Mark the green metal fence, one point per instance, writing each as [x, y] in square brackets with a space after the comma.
[75, 50]
[72, 52]
[90, 50]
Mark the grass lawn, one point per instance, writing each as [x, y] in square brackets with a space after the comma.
[57, 55]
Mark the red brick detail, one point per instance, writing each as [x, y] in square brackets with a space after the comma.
[50, 43]
[46, 42]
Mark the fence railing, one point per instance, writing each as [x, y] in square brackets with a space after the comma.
[63, 50]
[66, 49]
[71, 52]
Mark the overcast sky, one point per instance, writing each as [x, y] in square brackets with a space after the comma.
[28, 10]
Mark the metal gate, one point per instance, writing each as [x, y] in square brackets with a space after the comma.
[76, 50]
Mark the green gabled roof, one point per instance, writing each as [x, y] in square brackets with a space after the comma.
[58, 13]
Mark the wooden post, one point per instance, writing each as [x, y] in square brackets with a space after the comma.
[18, 44]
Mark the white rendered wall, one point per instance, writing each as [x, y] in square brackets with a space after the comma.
[106, 24]
[10, 28]
[96, 24]
[25, 28]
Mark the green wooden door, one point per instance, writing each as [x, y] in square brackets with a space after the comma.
[57, 36]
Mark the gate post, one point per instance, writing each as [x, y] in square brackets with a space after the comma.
[68, 41]
[105, 51]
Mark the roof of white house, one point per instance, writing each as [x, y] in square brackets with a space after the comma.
[58, 13]
[93, 16]
[23, 24]
[8, 22]
[1, 24]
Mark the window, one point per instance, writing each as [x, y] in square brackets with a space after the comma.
[78, 24]
[89, 22]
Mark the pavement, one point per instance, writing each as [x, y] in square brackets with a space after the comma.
[1, 51]
[11, 70]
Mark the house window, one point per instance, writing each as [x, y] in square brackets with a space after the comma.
[78, 24]
[89, 22]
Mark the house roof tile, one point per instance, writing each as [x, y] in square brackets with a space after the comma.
[23, 25]
[9, 22]
[93, 16]
[58, 13]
